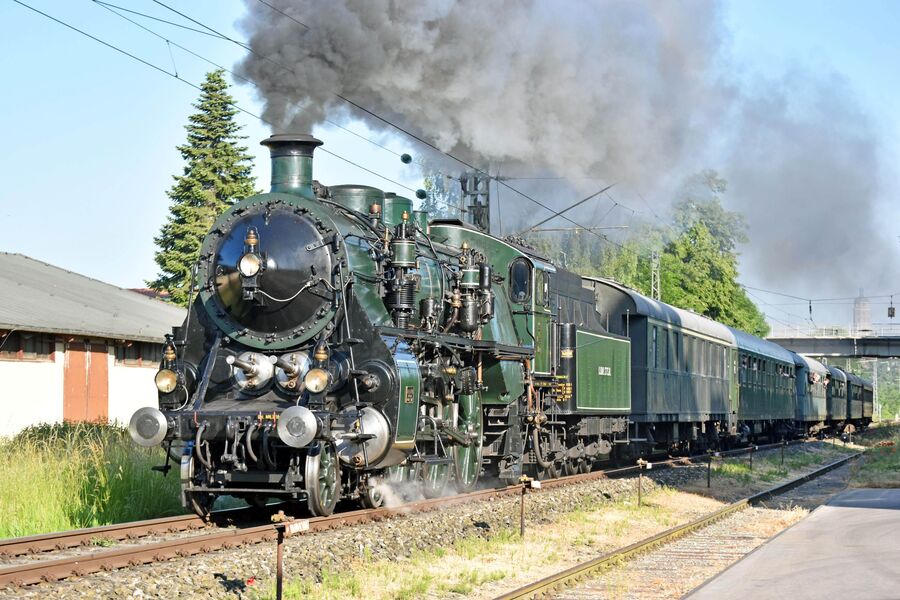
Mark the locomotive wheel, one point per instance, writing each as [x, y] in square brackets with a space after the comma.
[435, 480]
[586, 465]
[551, 472]
[323, 479]
[201, 503]
[370, 495]
[400, 476]
[571, 467]
[467, 459]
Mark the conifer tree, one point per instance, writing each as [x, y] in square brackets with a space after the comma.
[217, 173]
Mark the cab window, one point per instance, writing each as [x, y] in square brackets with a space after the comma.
[542, 294]
[520, 281]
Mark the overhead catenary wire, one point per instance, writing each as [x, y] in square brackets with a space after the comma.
[281, 12]
[568, 208]
[197, 87]
[374, 115]
[115, 10]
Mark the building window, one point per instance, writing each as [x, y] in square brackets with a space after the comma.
[138, 354]
[26, 345]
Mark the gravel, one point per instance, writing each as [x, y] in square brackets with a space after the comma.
[242, 572]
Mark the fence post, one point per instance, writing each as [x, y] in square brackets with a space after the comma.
[708, 469]
[284, 526]
[279, 573]
[526, 482]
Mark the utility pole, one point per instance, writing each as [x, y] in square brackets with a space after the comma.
[654, 275]
[875, 389]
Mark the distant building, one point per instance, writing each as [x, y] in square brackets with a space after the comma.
[73, 348]
[862, 317]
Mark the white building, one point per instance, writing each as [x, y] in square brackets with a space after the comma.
[73, 348]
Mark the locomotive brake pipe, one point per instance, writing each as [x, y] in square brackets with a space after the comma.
[83, 564]
[548, 585]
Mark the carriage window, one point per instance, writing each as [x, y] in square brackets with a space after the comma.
[676, 363]
[666, 364]
[520, 281]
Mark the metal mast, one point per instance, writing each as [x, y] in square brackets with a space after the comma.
[654, 275]
[476, 199]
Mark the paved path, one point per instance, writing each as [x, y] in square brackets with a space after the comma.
[848, 548]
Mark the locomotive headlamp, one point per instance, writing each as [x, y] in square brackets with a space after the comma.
[297, 426]
[316, 380]
[250, 264]
[166, 380]
[148, 427]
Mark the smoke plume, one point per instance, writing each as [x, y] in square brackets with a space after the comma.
[639, 92]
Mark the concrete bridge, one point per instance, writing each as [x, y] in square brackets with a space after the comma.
[847, 347]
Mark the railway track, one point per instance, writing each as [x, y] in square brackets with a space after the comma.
[554, 583]
[53, 569]
[49, 542]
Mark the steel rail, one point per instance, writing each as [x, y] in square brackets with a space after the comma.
[62, 540]
[546, 585]
[52, 570]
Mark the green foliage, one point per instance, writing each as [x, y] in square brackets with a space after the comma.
[216, 175]
[697, 274]
[700, 203]
[69, 476]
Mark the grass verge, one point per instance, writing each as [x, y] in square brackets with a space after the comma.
[880, 467]
[69, 476]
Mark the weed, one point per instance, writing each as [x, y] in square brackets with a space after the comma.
[69, 476]
[417, 587]
[102, 542]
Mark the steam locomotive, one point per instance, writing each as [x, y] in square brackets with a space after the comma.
[340, 342]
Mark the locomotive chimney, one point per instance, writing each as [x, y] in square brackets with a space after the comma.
[292, 157]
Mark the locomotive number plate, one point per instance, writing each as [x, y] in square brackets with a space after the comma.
[604, 371]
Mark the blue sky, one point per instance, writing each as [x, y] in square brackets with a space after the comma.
[90, 134]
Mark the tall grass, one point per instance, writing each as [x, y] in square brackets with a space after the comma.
[68, 476]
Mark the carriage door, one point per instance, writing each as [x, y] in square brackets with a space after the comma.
[733, 375]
